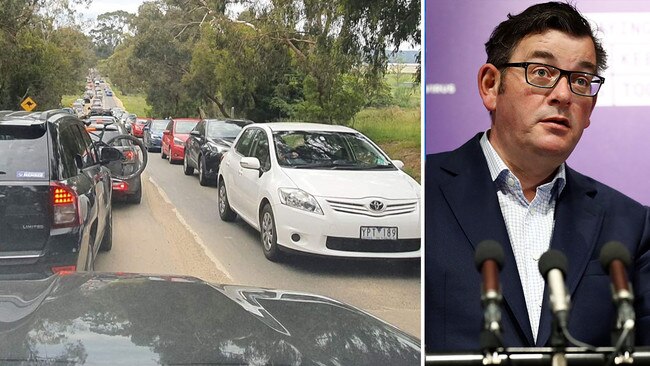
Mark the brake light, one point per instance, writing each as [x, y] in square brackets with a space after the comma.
[65, 206]
[64, 270]
[129, 155]
[120, 186]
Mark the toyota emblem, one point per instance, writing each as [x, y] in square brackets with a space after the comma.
[376, 206]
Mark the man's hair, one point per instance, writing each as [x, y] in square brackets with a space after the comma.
[537, 19]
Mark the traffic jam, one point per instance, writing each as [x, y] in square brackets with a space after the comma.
[307, 190]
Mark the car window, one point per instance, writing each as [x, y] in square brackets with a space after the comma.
[245, 141]
[184, 126]
[69, 147]
[222, 130]
[89, 156]
[158, 125]
[327, 149]
[261, 150]
[200, 128]
[23, 152]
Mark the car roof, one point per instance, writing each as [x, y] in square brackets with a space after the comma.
[24, 118]
[303, 126]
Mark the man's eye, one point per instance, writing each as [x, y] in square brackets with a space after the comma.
[581, 81]
[542, 73]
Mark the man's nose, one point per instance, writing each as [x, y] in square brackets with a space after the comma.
[562, 90]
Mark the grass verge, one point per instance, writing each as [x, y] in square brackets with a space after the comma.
[397, 131]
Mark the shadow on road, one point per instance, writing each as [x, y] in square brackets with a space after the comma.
[343, 267]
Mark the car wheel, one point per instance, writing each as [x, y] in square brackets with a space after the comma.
[269, 235]
[136, 197]
[187, 169]
[225, 212]
[107, 240]
[203, 180]
[162, 153]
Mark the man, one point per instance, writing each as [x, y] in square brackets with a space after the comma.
[511, 184]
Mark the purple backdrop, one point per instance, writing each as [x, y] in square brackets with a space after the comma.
[614, 149]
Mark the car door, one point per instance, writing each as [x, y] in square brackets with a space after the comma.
[253, 181]
[234, 171]
[194, 143]
[101, 179]
[167, 136]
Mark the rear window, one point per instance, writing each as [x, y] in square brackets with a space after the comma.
[185, 126]
[23, 153]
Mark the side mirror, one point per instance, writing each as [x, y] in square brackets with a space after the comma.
[250, 163]
[108, 154]
[398, 164]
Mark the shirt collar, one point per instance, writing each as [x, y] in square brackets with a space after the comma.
[498, 167]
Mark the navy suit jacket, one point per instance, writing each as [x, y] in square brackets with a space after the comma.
[462, 209]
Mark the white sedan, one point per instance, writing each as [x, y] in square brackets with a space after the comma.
[320, 189]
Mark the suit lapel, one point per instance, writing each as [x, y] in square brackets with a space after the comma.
[577, 219]
[471, 195]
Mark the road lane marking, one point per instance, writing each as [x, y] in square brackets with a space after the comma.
[196, 236]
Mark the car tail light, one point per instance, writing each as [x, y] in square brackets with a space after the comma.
[120, 186]
[65, 204]
[129, 155]
[64, 270]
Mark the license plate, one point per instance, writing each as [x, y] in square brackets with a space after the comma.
[378, 233]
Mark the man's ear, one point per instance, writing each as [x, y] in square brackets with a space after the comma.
[489, 79]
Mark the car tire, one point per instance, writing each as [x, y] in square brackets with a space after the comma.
[162, 153]
[225, 211]
[107, 240]
[269, 235]
[203, 180]
[187, 169]
[136, 197]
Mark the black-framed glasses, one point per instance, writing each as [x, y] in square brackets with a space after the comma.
[547, 76]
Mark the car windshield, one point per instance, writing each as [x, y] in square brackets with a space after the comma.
[328, 150]
[185, 126]
[23, 152]
[158, 125]
[223, 130]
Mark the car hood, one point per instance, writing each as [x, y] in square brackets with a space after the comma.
[146, 319]
[389, 184]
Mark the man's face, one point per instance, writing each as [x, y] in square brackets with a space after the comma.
[532, 122]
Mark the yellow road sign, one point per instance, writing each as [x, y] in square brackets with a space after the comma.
[28, 104]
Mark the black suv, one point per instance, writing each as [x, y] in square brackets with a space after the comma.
[55, 195]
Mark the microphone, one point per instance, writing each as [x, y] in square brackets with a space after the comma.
[553, 267]
[615, 258]
[489, 261]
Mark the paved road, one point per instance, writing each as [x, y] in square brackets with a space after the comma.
[177, 230]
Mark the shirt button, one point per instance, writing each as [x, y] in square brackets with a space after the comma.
[510, 181]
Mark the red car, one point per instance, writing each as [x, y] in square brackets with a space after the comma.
[137, 128]
[174, 136]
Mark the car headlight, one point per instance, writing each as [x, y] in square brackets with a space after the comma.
[297, 198]
[178, 141]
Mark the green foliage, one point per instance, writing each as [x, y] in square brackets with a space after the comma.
[38, 59]
[318, 61]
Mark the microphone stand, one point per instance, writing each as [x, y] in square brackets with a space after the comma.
[490, 337]
[558, 339]
[623, 335]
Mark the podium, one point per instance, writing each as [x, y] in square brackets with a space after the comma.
[538, 357]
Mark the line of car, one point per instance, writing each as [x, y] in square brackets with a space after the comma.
[308, 188]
